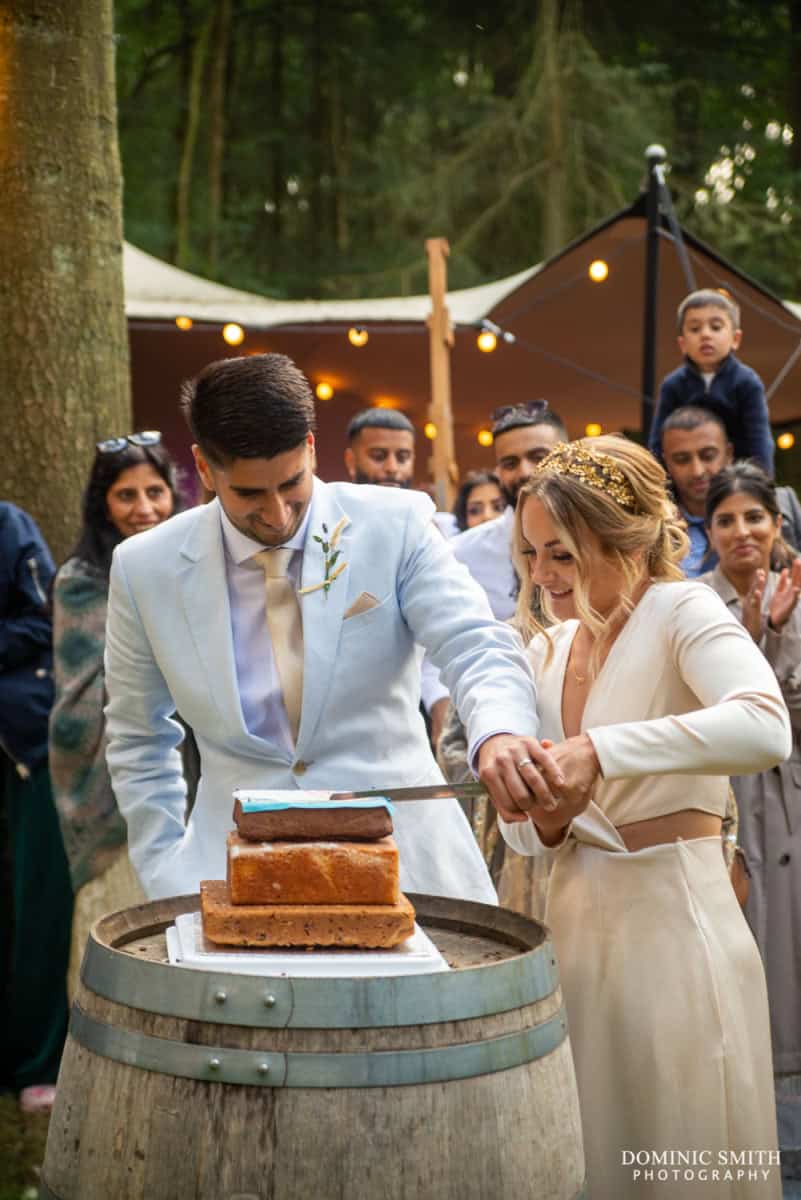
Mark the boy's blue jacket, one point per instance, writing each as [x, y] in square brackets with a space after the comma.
[26, 677]
[736, 395]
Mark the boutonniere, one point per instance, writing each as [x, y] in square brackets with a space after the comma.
[332, 556]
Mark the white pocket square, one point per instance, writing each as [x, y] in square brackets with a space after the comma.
[361, 604]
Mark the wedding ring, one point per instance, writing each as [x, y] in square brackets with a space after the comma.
[525, 762]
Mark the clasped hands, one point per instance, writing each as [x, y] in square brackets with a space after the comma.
[546, 783]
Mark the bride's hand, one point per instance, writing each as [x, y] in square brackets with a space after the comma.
[578, 762]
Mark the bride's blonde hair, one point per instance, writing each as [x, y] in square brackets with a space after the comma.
[611, 490]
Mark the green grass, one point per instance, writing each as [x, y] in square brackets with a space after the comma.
[22, 1146]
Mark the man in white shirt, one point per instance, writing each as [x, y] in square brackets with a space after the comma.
[314, 686]
[523, 435]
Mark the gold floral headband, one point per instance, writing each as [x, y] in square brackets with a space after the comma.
[597, 470]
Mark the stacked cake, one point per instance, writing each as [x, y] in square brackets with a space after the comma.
[308, 873]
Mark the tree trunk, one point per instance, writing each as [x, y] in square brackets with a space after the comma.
[278, 165]
[320, 47]
[183, 214]
[63, 338]
[340, 159]
[182, 109]
[554, 223]
[219, 66]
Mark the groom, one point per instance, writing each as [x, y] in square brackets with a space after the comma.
[281, 620]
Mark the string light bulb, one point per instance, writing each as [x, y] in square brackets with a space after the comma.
[323, 391]
[183, 323]
[233, 334]
[598, 270]
[484, 437]
[358, 336]
[593, 429]
[786, 440]
[430, 430]
[486, 341]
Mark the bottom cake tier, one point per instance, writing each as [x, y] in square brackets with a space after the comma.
[367, 926]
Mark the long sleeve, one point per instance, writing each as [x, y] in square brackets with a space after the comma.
[143, 737]
[90, 821]
[24, 620]
[753, 417]
[783, 652]
[741, 724]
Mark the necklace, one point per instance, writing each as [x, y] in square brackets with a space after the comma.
[581, 680]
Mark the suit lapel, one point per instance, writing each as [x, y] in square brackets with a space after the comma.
[204, 592]
[321, 611]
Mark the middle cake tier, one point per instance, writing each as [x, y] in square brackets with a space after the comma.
[313, 872]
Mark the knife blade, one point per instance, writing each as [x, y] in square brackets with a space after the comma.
[401, 795]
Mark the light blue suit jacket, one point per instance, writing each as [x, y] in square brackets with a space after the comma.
[169, 647]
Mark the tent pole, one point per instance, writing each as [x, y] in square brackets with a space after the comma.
[443, 464]
[654, 157]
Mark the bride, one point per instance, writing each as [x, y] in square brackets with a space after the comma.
[652, 697]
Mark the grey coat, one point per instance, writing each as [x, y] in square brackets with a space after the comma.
[770, 835]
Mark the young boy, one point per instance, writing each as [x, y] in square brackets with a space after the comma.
[712, 377]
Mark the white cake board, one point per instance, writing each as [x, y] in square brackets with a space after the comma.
[187, 947]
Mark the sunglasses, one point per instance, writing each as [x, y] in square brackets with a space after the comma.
[529, 408]
[148, 437]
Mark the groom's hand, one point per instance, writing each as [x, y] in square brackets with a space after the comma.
[520, 775]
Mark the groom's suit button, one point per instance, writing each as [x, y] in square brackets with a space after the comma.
[299, 768]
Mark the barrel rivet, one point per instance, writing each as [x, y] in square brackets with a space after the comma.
[269, 1001]
[221, 996]
[264, 1068]
[214, 1064]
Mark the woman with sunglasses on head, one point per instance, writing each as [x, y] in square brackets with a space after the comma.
[652, 695]
[132, 487]
[758, 577]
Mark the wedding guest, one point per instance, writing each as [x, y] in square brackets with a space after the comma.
[695, 446]
[131, 488]
[35, 892]
[479, 500]
[653, 695]
[380, 448]
[759, 581]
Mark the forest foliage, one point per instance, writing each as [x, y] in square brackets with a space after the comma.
[308, 147]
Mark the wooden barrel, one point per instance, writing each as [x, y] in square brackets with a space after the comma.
[181, 1084]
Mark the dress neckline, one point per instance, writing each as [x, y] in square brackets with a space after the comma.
[622, 637]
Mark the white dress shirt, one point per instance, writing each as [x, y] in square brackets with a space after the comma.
[486, 551]
[260, 692]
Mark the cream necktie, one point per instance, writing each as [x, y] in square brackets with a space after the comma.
[285, 628]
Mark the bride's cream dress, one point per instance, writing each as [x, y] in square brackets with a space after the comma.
[663, 983]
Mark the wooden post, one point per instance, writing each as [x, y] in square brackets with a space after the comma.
[443, 463]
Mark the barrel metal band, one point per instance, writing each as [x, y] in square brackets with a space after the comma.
[299, 1003]
[381, 1068]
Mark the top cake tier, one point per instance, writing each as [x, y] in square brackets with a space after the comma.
[313, 823]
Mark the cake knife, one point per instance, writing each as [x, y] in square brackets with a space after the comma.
[399, 795]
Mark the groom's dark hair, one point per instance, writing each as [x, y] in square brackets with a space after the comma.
[256, 406]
